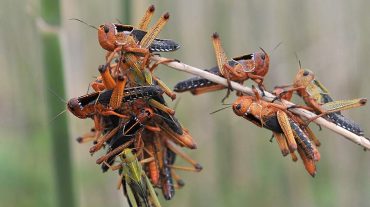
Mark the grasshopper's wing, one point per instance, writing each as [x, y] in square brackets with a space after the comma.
[321, 86]
[336, 106]
[153, 194]
[130, 195]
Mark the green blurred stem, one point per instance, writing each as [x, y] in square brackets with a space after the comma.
[53, 72]
[126, 16]
[54, 80]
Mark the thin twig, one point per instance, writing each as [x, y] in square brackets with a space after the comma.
[268, 97]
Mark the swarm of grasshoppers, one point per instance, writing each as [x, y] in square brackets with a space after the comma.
[290, 131]
[131, 118]
[132, 121]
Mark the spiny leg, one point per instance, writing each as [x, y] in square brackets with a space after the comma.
[336, 106]
[89, 136]
[114, 152]
[285, 126]
[161, 107]
[280, 139]
[222, 63]
[108, 80]
[118, 92]
[154, 31]
[165, 88]
[180, 183]
[172, 146]
[104, 139]
[147, 18]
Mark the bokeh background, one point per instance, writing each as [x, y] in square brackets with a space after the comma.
[241, 166]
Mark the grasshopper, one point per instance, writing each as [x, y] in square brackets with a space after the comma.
[317, 98]
[139, 190]
[162, 169]
[252, 66]
[284, 125]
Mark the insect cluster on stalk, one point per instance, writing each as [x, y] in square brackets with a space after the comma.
[137, 129]
[291, 131]
[132, 121]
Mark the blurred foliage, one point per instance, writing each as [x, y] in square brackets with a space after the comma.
[241, 167]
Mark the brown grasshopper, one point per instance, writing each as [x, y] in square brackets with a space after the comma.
[253, 66]
[284, 125]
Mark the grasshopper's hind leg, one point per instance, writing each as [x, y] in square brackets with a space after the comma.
[196, 166]
[143, 25]
[154, 31]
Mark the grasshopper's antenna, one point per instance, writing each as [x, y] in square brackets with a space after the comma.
[278, 45]
[62, 112]
[299, 61]
[92, 26]
[55, 94]
[220, 109]
[119, 21]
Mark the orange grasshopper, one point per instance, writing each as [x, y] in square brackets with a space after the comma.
[284, 125]
[253, 66]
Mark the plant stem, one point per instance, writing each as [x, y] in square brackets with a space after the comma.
[268, 97]
[54, 80]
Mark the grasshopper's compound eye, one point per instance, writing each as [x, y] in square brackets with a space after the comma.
[305, 73]
[238, 107]
[263, 57]
[106, 29]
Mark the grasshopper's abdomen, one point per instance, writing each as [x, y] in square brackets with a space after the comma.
[302, 140]
[345, 123]
[192, 83]
[168, 188]
[196, 82]
[163, 45]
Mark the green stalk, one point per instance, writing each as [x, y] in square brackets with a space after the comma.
[126, 16]
[54, 80]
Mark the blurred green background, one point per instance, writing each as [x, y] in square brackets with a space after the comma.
[241, 167]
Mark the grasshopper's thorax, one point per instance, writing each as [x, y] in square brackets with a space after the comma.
[132, 164]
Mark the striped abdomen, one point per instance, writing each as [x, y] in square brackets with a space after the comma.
[302, 140]
[345, 123]
[196, 82]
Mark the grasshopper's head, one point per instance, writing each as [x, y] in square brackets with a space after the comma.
[262, 62]
[107, 37]
[303, 78]
[82, 107]
[74, 106]
[127, 155]
[145, 114]
[242, 105]
[111, 33]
